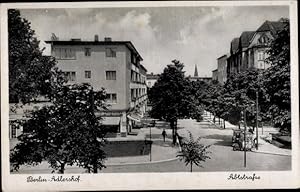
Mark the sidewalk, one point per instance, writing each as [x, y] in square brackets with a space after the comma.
[264, 133]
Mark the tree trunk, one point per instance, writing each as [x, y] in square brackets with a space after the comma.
[219, 121]
[224, 124]
[172, 124]
[95, 169]
[191, 167]
[176, 131]
[62, 168]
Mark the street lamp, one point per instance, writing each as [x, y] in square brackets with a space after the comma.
[256, 120]
[150, 144]
[243, 115]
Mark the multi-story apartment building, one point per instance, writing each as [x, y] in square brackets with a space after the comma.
[222, 69]
[115, 66]
[250, 49]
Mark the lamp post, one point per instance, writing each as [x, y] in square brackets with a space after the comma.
[256, 120]
[150, 144]
[245, 129]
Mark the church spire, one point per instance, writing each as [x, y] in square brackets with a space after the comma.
[196, 71]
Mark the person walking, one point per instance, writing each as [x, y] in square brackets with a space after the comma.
[164, 134]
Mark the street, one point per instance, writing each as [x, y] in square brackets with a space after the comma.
[223, 158]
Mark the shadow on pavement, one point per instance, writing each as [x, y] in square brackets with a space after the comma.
[167, 143]
[157, 136]
[223, 140]
[126, 148]
[207, 125]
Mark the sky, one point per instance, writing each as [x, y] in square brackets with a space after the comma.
[193, 35]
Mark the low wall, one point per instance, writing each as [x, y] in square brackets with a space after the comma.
[127, 148]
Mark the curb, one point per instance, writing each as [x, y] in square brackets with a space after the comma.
[271, 153]
[141, 163]
[219, 127]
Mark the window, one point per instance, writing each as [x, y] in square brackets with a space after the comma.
[111, 75]
[133, 58]
[70, 75]
[87, 74]
[64, 53]
[13, 128]
[133, 94]
[87, 52]
[261, 55]
[263, 39]
[110, 52]
[111, 97]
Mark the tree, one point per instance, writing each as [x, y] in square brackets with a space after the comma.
[193, 152]
[277, 79]
[239, 95]
[170, 96]
[30, 73]
[199, 92]
[66, 132]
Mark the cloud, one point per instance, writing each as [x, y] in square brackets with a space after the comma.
[195, 36]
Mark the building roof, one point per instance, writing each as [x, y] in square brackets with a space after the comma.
[234, 45]
[271, 26]
[128, 44]
[225, 55]
[199, 77]
[152, 76]
[245, 38]
[142, 66]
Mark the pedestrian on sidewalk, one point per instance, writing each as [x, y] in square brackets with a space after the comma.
[164, 134]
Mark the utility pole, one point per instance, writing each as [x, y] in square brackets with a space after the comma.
[245, 129]
[256, 120]
[150, 144]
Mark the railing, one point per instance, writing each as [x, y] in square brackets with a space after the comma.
[138, 100]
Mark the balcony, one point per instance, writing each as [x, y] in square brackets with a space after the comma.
[138, 100]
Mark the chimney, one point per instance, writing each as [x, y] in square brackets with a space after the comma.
[96, 38]
[107, 38]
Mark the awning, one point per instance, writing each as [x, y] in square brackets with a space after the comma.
[111, 121]
[134, 118]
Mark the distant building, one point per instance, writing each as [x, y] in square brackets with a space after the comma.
[151, 79]
[215, 75]
[197, 78]
[205, 79]
[196, 71]
[222, 69]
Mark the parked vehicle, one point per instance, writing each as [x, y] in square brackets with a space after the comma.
[238, 140]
